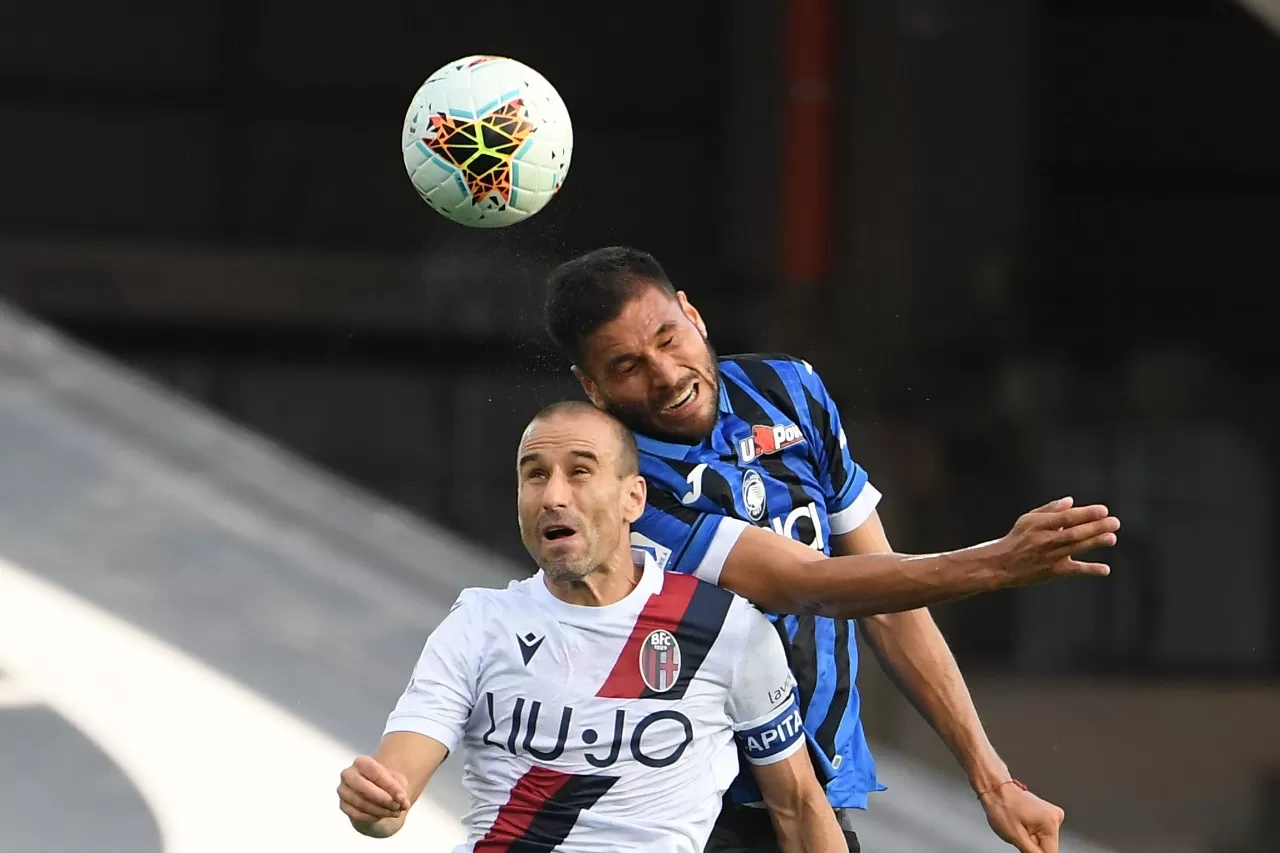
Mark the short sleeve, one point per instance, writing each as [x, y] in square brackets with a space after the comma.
[442, 692]
[685, 540]
[763, 701]
[850, 496]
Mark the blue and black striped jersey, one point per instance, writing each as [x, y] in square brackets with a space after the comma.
[777, 458]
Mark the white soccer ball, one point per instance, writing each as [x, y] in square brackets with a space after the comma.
[487, 141]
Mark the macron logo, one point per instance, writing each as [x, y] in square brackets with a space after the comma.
[529, 645]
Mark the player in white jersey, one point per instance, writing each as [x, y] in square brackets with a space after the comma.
[602, 703]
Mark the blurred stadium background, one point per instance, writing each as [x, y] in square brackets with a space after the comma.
[258, 403]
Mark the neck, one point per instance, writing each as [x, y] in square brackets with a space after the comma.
[608, 583]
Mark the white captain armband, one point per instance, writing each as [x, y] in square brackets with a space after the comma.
[763, 703]
[775, 737]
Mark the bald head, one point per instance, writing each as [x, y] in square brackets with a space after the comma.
[579, 490]
[627, 454]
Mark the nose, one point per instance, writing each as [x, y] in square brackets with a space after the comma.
[666, 373]
[556, 494]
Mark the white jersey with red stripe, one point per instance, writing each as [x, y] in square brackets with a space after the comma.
[599, 729]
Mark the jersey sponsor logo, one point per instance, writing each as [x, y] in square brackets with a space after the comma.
[766, 440]
[775, 734]
[529, 645]
[660, 553]
[754, 497]
[660, 661]
[804, 524]
[655, 740]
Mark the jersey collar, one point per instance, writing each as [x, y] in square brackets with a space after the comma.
[650, 583]
[676, 449]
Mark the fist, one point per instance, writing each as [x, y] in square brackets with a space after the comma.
[369, 793]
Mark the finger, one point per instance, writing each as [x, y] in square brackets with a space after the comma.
[1073, 517]
[356, 802]
[1055, 505]
[377, 774]
[366, 789]
[1068, 566]
[1072, 537]
[403, 798]
[1024, 842]
[1048, 839]
[356, 814]
[1104, 540]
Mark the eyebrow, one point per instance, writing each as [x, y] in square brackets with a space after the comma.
[664, 329]
[583, 454]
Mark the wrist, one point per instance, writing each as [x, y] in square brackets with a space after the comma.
[983, 566]
[986, 771]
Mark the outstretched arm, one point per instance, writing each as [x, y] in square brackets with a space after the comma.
[783, 576]
[772, 572]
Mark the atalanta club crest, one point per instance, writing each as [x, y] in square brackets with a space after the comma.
[660, 661]
[753, 495]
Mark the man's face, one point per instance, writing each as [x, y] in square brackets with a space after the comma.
[652, 368]
[575, 503]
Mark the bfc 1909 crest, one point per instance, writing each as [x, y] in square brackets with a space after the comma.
[660, 661]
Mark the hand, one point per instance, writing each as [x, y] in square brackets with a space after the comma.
[369, 793]
[1023, 819]
[1044, 542]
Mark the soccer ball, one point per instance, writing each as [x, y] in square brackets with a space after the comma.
[487, 141]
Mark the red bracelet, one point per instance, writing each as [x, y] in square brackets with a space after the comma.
[982, 794]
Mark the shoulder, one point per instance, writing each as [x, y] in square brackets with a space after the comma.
[682, 587]
[761, 358]
[700, 607]
[790, 383]
[781, 363]
[481, 603]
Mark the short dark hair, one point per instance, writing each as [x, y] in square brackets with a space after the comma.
[628, 453]
[585, 293]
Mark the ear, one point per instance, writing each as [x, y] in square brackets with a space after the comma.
[686, 308]
[589, 387]
[634, 494]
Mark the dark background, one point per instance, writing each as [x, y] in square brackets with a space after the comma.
[1052, 240]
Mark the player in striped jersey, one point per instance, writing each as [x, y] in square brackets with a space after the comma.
[600, 700]
[741, 448]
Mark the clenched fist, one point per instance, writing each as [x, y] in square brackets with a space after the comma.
[374, 798]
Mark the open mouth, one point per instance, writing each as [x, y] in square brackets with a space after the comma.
[683, 401]
[557, 532]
